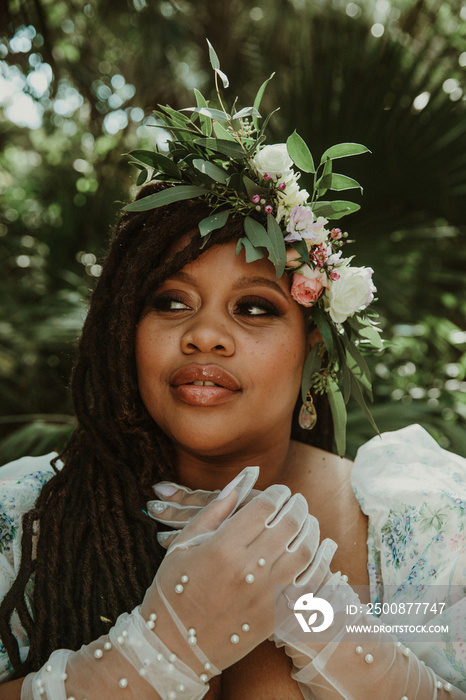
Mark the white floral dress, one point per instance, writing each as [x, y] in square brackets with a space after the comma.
[413, 491]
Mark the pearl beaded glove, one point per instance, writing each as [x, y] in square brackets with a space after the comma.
[380, 667]
[183, 633]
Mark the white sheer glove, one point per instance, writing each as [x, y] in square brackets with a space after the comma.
[336, 668]
[184, 633]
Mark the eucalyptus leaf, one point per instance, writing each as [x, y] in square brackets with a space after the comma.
[258, 99]
[171, 194]
[255, 145]
[256, 233]
[159, 161]
[335, 209]
[338, 182]
[311, 366]
[276, 247]
[338, 408]
[223, 77]
[342, 150]
[299, 153]
[206, 122]
[246, 112]
[142, 177]
[176, 116]
[222, 133]
[252, 253]
[209, 112]
[359, 359]
[372, 334]
[267, 119]
[214, 62]
[213, 171]
[359, 398]
[230, 149]
[214, 222]
[320, 318]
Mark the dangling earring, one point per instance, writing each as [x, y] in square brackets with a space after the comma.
[308, 414]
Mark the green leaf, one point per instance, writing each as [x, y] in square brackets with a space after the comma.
[159, 161]
[342, 150]
[252, 253]
[142, 177]
[206, 122]
[214, 62]
[300, 153]
[246, 112]
[171, 194]
[359, 398]
[209, 112]
[372, 334]
[327, 171]
[176, 115]
[253, 188]
[252, 149]
[258, 99]
[214, 222]
[267, 119]
[228, 148]
[276, 247]
[338, 182]
[222, 133]
[301, 248]
[337, 406]
[223, 77]
[210, 169]
[256, 233]
[311, 366]
[359, 359]
[335, 209]
[320, 318]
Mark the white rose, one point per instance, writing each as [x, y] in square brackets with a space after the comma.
[273, 159]
[352, 291]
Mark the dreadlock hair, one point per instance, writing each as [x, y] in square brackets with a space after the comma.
[97, 552]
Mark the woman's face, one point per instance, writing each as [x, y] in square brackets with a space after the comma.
[220, 349]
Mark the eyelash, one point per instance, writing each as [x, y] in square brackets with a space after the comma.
[242, 308]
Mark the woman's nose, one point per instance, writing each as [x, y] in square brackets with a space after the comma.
[208, 333]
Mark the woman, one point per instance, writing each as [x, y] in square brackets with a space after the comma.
[189, 368]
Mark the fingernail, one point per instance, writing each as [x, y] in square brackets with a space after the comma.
[165, 489]
[229, 487]
[156, 507]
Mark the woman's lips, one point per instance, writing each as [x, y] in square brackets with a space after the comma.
[188, 384]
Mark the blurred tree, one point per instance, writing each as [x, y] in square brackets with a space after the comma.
[77, 83]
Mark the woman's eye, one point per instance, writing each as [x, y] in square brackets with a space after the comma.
[168, 303]
[256, 307]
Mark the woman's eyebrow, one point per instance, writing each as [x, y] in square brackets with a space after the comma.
[258, 282]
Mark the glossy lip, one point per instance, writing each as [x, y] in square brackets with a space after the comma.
[211, 373]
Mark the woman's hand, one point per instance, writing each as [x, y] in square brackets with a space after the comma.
[179, 504]
[232, 563]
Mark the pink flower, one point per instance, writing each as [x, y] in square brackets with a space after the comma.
[255, 198]
[282, 186]
[335, 233]
[308, 285]
[268, 209]
[267, 176]
[334, 275]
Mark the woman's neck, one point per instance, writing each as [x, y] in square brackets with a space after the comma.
[215, 472]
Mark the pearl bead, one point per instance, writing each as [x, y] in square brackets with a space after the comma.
[245, 627]
[344, 578]
[142, 672]
[71, 698]
[405, 697]
[171, 695]
[399, 645]
[64, 676]
[120, 639]
[439, 685]
[41, 690]
[49, 668]
[181, 688]
[124, 633]
[153, 617]
[207, 666]
[123, 682]
[191, 632]
[192, 640]
[150, 624]
[368, 658]
[184, 579]
[406, 651]
[234, 639]
[107, 646]
[179, 588]
[249, 578]
[98, 653]
[171, 668]
[447, 687]
[159, 657]
[204, 677]
[358, 650]
[172, 658]
[261, 562]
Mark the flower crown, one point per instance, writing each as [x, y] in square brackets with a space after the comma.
[221, 157]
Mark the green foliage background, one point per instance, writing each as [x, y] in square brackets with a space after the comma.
[390, 75]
